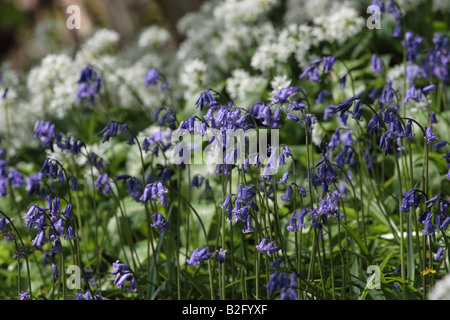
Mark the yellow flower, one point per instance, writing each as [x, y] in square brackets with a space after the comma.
[427, 271]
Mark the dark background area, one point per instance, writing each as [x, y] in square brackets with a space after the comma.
[21, 21]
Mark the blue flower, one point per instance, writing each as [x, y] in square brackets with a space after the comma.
[90, 84]
[429, 135]
[25, 295]
[123, 273]
[102, 183]
[151, 77]
[377, 64]
[412, 44]
[155, 191]
[199, 255]
[45, 132]
[282, 95]
[268, 248]
[159, 222]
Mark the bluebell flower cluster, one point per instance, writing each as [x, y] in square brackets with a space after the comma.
[90, 83]
[284, 283]
[123, 274]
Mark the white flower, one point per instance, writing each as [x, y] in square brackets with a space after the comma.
[241, 83]
[279, 83]
[102, 41]
[154, 36]
[236, 11]
[194, 75]
[441, 289]
[343, 23]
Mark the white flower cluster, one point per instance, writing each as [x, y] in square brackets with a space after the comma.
[441, 289]
[194, 76]
[154, 36]
[343, 23]
[241, 11]
[241, 84]
[101, 42]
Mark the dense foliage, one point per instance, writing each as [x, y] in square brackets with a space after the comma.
[351, 202]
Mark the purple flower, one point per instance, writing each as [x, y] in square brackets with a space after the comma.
[412, 44]
[205, 98]
[25, 295]
[155, 191]
[430, 136]
[276, 263]
[343, 81]
[102, 183]
[377, 64]
[433, 118]
[159, 222]
[343, 106]
[282, 95]
[90, 84]
[267, 248]
[199, 255]
[221, 255]
[287, 195]
[55, 271]
[109, 131]
[151, 77]
[123, 273]
[292, 117]
[287, 286]
[328, 63]
[439, 145]
[45, 132]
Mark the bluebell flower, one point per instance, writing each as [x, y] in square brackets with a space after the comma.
[345, 105]
[327, 63]
[55, 271]
[39, 239]
[397, 31]
[377, 64]
[70, 234]
[276, 263]
[3, 224]
[296, 220]
[221, 255]
[268, 247]
[109, 131]
[25, 295]
[312, 71]
[156, 192]
[90, 84]
[205, 98]
[199, 255]
[439, 145]
[343, 81]
[45, 132]
[159, 222]
[123, 273]
[151, 77]
[412, 44]
[387, 95]
[102, 183]
[286, 285]
[433, 118]
[282, 95]
[411, 199]
[287, 197]
[429, 135]
[320, 96]
[292, 117]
